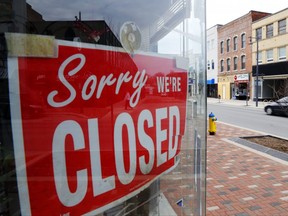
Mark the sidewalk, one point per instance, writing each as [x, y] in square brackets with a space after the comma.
[242, 181]
[245, 103]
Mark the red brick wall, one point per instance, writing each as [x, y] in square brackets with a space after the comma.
[237, 28]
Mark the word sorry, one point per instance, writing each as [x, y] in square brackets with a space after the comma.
[90, 87]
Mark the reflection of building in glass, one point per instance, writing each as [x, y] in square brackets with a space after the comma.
[22, 18]
[152, 27]
[79, 31]
[17, 16]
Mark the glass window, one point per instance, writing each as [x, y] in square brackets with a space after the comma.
[222, 65]
[269, 55]
[243, 40]
[259, 33]
[235, 43]
[282, 26]
[282, 53]
[93, 107]
[221, 47]
[269, 31]
[243, 62]
[228, 64]
[259, 57]
[228, 45]
[235, 61]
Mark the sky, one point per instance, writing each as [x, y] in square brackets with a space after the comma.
[224, 11]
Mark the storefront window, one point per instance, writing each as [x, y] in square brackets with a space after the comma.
[103, 107]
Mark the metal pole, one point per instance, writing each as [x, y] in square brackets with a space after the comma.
[257, 70]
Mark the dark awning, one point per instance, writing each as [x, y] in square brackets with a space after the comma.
[277, 68]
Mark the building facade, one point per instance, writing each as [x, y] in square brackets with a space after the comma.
[235, 57]
[212, 61]
[271, 35]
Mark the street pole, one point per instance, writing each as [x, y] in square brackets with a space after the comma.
[257, 72]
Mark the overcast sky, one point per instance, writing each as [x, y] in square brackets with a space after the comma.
[224, 11]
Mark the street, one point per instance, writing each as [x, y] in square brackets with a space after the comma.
[250, 118]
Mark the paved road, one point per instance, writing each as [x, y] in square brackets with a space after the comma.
[250, 118]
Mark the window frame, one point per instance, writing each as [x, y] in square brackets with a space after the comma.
[282, 29]
[243, 40]
[283, 57]
[258, 33]
[221, 65]
[269, 55]
[228, 45]
[222, 47]
[269, 30]
[243, 62]
[260, 57]
[228, 64]
[235, 43]
[235, 63]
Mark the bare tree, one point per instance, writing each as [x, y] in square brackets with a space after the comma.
[280, 90]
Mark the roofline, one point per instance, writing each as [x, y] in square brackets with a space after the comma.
[250, 12]
[271, 14]
[217, 25]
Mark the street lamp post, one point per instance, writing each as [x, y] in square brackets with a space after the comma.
[257, 69]
[257, 66]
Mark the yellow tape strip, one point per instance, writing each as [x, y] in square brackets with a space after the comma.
[29, 45]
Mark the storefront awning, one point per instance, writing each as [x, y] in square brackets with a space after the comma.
[277, 68]
[211, 81]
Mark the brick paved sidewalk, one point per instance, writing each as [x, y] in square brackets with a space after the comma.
[242, 182]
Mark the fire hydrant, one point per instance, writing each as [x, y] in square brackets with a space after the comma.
[212, 124]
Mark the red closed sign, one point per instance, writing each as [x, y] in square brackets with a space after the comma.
[93, 127]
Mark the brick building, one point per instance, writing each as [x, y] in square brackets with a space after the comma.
[235, 56]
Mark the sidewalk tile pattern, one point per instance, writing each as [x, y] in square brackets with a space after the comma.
[240, 182]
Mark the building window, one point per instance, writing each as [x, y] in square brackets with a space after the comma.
[221, 47]
[228, 45]
[235, 63]
[282, 53]
[282, 26]
[269, 55]
[243, 40]
[259, 57]
[212, 64]
[222, 65]
[228, 64]
[235, 43]
[269, 31]
[259, 33]
[208, 65]
[243, 62]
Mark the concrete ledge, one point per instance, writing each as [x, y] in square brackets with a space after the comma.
[269, 151]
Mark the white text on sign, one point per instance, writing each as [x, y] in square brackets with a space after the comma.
[168, 84]
[157, 155]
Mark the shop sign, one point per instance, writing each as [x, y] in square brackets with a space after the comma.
[241, 78]
[80, 148]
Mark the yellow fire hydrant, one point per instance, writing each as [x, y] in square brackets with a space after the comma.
[212, 124]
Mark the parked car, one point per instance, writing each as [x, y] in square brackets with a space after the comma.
[280, 107]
